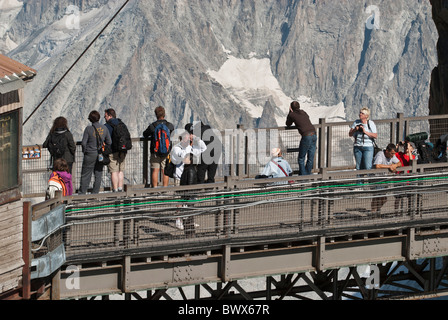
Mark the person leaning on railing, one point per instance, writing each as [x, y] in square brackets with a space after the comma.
[307, 146]
[406, 153]
[385, 160]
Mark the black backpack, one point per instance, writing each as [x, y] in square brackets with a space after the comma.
[425, 152]
[440, 149]
[121, 138]
[57, 145]
[376, 148]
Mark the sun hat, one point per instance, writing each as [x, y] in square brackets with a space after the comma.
[275, 152]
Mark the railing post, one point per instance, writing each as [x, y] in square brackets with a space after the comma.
[26, 251]
[232, 151]
[56, 285]
[322, 143]
[329, 150]
[400, 130]
[240, 150]
[145, 162]
[414, 166]
[227, 217]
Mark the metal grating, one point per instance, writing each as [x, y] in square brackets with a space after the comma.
[261, 214]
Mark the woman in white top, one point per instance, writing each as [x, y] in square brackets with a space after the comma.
[188, 144]
[364, 131]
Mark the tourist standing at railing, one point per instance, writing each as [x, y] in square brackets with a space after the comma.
[158, 160]
[90, 148]
[208, 163]
[307, 147]
[189, 177]
[189, 143]
[364, 131]
[60, 142]
[117, 163]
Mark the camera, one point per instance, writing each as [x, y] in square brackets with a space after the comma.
[360, 128]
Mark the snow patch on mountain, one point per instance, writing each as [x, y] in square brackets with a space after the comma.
[250, 82]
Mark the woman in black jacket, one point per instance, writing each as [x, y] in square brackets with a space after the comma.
[190, 173]
[60, 142]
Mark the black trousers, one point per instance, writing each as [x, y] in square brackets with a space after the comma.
[206, 169]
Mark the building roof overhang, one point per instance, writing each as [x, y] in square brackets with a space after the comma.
[13, 74]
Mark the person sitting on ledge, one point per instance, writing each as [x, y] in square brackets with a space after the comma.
[277, 167]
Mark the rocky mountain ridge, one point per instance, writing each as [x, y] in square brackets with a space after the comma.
[333, 56]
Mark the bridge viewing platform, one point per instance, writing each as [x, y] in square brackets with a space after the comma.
[306, 236]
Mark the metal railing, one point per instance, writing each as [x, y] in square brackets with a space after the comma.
[143, 222]
[246, 151]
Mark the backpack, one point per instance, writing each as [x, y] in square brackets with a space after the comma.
[121, 138]
[162, 139]
[440, 149]
[55, 183]
[170, 168]
[57, 145]
[104, 150]
[425, 152]
[376, 148]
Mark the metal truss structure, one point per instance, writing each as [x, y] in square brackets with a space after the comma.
[423, 279]
[307, 240]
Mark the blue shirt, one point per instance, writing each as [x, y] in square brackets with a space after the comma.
[361, 139]
[272, 170]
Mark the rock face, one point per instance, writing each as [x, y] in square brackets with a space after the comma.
[438, 102]
[330, 55]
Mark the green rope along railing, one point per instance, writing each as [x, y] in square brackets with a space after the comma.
[235, 194]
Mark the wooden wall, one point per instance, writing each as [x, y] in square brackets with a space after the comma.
[11, 100]
[11, 261]
[11, 215]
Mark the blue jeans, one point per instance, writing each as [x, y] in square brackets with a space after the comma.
[363, 157]
[307, 150]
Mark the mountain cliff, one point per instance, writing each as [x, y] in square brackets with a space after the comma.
[438, 101]
[223, 62]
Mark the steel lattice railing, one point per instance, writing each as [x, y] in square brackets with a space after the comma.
[176, 221]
